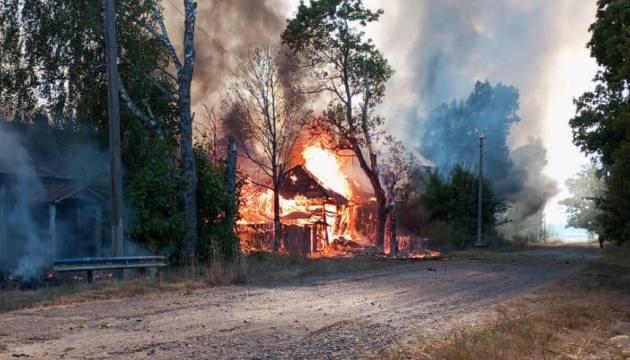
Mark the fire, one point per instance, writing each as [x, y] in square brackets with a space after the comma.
[323, 211]
[324, 164]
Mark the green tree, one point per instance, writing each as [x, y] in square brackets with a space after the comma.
[601, 127]
[454, 200]
[217, 239]
[330, 36]
[155, 192]
[54, 51]
[586, 189]
[62, 42]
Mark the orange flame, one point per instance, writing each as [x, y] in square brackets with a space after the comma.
[324, 165]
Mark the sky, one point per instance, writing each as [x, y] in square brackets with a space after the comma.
[440, 48]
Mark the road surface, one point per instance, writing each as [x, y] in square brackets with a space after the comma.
[350, 315]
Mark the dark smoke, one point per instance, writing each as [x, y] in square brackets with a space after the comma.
[535, 188]
[225, 30]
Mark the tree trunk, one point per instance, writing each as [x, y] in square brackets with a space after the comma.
[393, 240]
[277, 225]
[231, 187]
[381, 221]
[184, 79]
[379, 193]
[190, 174]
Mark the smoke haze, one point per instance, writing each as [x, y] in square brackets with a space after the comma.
[439, 49]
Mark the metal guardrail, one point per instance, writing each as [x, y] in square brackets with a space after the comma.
[91, 264]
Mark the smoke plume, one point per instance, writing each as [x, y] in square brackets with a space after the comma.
[449, 45]
[18, 212]
[224, 31]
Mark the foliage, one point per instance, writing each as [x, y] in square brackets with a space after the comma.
[155, 192]
[454, 201]
[452, 131]
[586, 190]
[217, 239]
[600, 127]
[68, 74]
[330, 38]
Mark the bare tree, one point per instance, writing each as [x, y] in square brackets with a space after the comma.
[395, 173]
[271, 112]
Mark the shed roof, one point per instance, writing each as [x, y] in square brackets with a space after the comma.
[299, 181]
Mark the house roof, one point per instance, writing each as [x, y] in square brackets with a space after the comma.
[59, 191]
[299, 181]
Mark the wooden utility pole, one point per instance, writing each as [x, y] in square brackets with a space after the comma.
[231, 184]
[480, 241]
[113, 112]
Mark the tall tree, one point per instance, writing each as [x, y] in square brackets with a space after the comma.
[329, 35]
[452, 131]
[62, 42]
[53, 51]
[184, 68]
[271, 111]
[601, 127]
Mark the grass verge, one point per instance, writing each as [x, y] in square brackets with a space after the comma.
[584, 317]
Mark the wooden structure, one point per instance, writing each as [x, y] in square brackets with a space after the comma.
[309, 228]
[50, 217]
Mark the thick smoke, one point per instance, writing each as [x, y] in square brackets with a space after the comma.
[20, 200]
[37, 162]
[451, 135]
[535, 187]
[451, 44]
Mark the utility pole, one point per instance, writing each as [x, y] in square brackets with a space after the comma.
[113, 112]
[480, 241]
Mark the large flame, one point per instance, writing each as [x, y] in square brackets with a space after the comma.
[324, 164]
[333, 229]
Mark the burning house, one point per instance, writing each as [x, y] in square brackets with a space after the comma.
[326, 208]
[312, 212]
[320, 206]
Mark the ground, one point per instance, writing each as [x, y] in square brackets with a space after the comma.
[346, 315]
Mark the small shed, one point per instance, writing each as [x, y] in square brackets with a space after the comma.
[44, 217]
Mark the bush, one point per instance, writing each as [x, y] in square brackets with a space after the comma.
[217, 239]
[155, 192]
[453, 200]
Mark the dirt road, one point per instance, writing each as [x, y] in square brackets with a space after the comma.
[350, 315]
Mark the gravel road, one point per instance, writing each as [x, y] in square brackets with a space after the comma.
[346, 316]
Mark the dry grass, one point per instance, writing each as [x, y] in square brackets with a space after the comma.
[259, 269]
[574, 320]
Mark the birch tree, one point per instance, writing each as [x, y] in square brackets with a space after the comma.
[184, 67]
[264, 91]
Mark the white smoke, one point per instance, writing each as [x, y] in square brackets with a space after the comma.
[22, 193]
